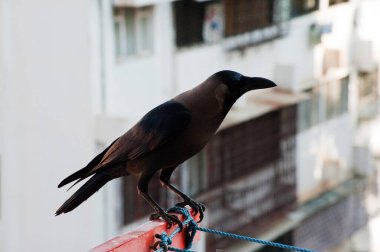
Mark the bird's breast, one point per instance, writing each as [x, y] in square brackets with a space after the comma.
[194, 138]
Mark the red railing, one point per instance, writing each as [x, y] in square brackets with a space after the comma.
[142, 238]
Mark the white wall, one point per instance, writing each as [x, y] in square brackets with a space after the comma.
[328, 141]
[146, 81]
[3, 74]
[51, 85]
[46, 126]
[367, 22]
[197, 63]
[139, 83]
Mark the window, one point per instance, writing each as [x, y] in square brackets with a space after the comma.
[300, 7]
[133, 31]
[308, 110]
[368, 94]
[245, 15]
[213, 23]
[316, 232]
[368, 85]
[332, 2]
[197, 22]
[250, 23]
[252, 178]
[336, 98]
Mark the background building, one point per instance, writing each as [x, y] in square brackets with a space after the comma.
[297, 164]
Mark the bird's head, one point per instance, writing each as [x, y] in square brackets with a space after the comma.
[239, 84]
[231, 85]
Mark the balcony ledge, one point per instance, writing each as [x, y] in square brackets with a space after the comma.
[137, 3]
[142, 237]
[304, 212]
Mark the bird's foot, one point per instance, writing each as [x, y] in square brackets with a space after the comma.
[158, 244]
[196, 206]
[169, 218]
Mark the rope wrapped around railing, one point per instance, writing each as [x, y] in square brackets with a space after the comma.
[191, 227]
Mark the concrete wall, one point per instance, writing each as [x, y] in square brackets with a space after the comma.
[333, 140]
[169, 70]
[46, 125]
[58, 70]
[137, 84]
[323, 156]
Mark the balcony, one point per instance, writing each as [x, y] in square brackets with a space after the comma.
[230, 22]
[251, 182]
[137, 3]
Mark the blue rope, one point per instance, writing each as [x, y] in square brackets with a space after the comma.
[192, 228]
[190, 232]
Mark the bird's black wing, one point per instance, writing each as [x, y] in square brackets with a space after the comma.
[156, 128]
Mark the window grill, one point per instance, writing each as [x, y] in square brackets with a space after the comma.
[246, 15]
[300, 7]
[249, 23]
[284, 239]
[188, 17]
[206, 22]
[198, 22]
[253, 179]
[331, 226]
[332, 2]
[247, 173]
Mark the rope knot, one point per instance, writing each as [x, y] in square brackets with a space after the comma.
[181, 210]
[192, 225]
[163, 243]
[165, 239]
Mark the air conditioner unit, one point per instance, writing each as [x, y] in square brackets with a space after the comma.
[284, 75]
[363, 60]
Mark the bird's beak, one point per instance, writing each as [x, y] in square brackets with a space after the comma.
[251, 83]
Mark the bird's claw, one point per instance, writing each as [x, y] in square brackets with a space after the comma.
[196, 206]
[169, 218]
[158, 243]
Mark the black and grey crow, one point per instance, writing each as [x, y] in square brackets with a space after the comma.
[163, 139]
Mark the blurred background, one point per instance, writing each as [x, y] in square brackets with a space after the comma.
[297, 164]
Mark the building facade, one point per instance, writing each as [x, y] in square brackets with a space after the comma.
[286, 164]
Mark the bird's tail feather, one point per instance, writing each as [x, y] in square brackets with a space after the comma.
[76, 175]
[82, 173]
[84, 192]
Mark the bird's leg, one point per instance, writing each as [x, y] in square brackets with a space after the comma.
[196, 206]
[142, 187]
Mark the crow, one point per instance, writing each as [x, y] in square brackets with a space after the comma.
[164, 138]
